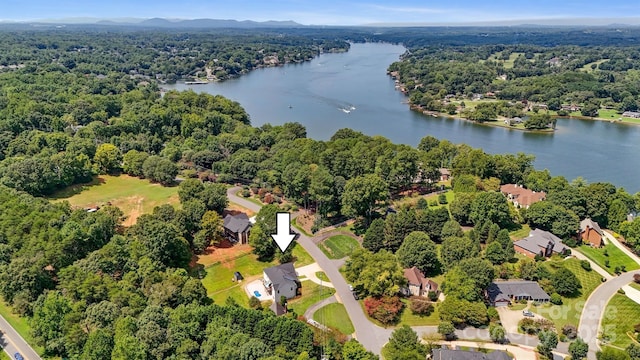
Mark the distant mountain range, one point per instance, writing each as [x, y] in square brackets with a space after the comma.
[163, 23]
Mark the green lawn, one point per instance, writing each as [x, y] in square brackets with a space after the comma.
[521, 233]
[408, 318]
[619, 318]
[322, 276]
[132, 195]
[335, 316]
[635, 285]
[339, 246]
[588, 68]
[569, 312]
[311, 294]
[4, 356]
[616, 257]
[20, 324]
[302, 256]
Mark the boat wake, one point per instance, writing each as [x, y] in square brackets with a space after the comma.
[347, 109]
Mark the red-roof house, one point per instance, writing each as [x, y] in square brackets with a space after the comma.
[521, 197]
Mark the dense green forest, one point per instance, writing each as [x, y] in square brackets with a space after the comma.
[76, 104]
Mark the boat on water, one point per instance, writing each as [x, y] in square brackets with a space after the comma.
[197, 82]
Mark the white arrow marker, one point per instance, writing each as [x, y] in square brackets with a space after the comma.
[283, 238]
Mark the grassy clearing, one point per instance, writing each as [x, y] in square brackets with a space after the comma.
[311, 294]
[302, 256]
[569, 312]
[20, 324]
[132, 195]
[616, 257]
[620, 315]
[588, 68]
[335, 316]
[339, 246]
[521, 233]
[4, 356]
[508, 64]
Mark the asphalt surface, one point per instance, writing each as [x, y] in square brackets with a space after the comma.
[370, 335]
[12, 342]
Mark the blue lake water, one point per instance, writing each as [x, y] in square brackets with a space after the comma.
[352, 90]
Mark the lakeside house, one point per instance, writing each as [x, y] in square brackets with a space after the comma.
[281, 280]
[591, 233]
[417, 283]
[542, 243]
[514, 121]
[502, 293]
[457, 354]
[520, 196]
[237, 228]
[570, 108]
[631, 114]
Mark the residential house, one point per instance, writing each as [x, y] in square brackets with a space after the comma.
[237, 228]
[445, 174]
[449, 354]
[514, 121]
[540, 242]
[281, 280]
[631, 114]
[571, 108]
[591, 233]
[521, 197]
[417, 283]
[501, 293]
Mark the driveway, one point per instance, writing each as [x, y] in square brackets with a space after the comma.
[510, 318]
[309, 271]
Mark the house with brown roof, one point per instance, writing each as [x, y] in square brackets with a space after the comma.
[445, 174]
[540, 242]
[590, 233]
[520, 196]
[417, 283]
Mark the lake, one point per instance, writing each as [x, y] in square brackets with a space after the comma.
[352, 90]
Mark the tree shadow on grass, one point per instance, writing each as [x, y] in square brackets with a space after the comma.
[76, 189]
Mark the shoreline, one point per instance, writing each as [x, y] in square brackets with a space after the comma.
[493, 123]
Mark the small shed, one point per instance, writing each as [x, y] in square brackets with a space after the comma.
[237, 276]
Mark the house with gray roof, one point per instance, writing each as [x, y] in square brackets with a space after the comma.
[448, 354]
[237, 228]
[501, 293]
[591, 233]
[540, 242]
[281, 280]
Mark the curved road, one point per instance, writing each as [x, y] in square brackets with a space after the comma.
[370, 335]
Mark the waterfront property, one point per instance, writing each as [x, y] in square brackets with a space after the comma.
[520, 196]
[540, 242]
[590, 233]
[281, 280]
[502, 293]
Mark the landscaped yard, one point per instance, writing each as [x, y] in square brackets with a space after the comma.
[311, 294]
[132, 195]
[335, 316]
[411, 319]
[339, 246]
[322, 276]
[218, 277]
[619, 318]
[615, 256]
[569, 312]
[20, 324]
[521, 233]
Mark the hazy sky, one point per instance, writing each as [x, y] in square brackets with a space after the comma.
[327, 12]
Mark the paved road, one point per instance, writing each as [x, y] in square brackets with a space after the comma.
[12, 342]
[371, 336]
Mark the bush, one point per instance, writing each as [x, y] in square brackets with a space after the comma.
[385, 309]
[254, 303]
[442, 199]
[636, 278]
[447, 330]
[570, 331]
[585, 265]
[432, 295]
[492, 314]
[556, 299]
[421, 307]
[606, 263]
[621, 292]
[433, 203]
[605, 252]
[570, 242]
[422, 204]
[245, 193]
[533, 326]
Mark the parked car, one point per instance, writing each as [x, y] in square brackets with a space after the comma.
[527, 313]
[350, 287]
[18, 356]
[355, 295]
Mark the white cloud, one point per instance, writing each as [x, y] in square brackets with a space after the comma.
[412, 10]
